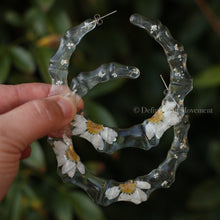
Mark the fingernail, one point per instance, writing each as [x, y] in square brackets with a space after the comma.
[67, 107]
[26, 153]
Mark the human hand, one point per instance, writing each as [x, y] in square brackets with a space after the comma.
[26, 114]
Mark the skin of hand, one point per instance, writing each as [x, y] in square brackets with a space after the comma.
[26, 114]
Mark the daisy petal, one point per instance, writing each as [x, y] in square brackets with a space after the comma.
[67, 140]
[78, 120]
[149, 130]
[125, 197]
[135, 197]
[171, 118]
[168, 106]
[109, 135]
[112, 192]
[60, 160]
[143, 184]
[86, 135]
[72, 172]
[81, 167]
[79, 129]
[58, 151]
[142, 195]
[161, 128]
[79, 124]
[68, 166]
[94, 139]
[59, 147]
[97, 142]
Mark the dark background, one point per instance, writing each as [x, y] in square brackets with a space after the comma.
[29, 35]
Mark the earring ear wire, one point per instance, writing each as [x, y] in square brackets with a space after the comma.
[163, 81]
[166, 90]
[98, 19]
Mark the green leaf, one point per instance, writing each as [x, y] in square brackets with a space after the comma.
[42, 56]
[35, 22]
[9, 199]
[60, 21]
[151, 8]
[99, 114]
[36, 159]
[84, 208]
[15, 214]
[192, 28]
[13, 18]
[16, 78]
[62, 207]
[209, 78]
[106, 88]
[5, 67]
[212, 215]
[45, 4]
[206, 196]
[97, 5]
[208, 97]
[13, 201]
[22, 59]
[33, 215]
[214, 155]
[32, 199]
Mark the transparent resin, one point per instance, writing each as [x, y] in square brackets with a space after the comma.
[108, 140]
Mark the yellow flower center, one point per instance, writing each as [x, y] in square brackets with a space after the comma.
[93, 128]
[128, 187]
[156, 117]
[71, 154]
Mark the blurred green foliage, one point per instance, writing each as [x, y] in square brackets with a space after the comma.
[29, 35]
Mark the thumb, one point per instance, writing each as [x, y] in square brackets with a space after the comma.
[35, 119]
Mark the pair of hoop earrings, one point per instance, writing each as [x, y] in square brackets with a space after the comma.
[108, 140]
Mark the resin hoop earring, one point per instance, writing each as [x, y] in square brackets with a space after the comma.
[108, 140]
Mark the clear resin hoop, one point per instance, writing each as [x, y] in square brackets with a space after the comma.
[108, 140]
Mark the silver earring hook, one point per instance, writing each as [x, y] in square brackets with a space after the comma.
[166, 90]
[164, 82]
[98, 19]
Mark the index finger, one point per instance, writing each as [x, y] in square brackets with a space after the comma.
[12, 96]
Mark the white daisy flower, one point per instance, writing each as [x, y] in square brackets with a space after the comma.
[164, 118]
[68, 158]
[130, 191]
[92, 132]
